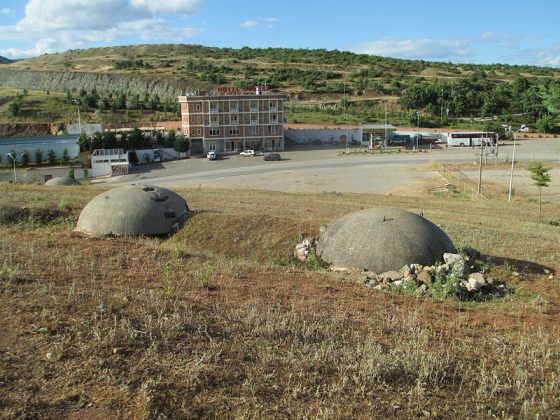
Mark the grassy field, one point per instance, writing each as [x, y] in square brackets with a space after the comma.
[219, 319]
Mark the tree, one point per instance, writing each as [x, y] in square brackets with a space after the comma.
[25, 158]
[135, 138]
[545, 124]
[51, 157]
[84, 142]
[181, 144]
[39, 157]
[13, 108]
[541, 178]
[65, 157]
[71, 172]
[153, 102]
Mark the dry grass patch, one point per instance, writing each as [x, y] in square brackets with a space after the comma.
[203, 325]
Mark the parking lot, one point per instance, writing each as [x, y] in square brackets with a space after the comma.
[306, 169]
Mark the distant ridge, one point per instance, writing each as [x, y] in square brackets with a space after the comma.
[4, 60]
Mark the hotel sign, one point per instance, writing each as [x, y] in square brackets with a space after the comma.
[230, 89]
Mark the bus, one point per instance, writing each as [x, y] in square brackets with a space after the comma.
[474, 138]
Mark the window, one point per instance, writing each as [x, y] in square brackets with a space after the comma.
[273, 118]
[272, 129]
[214, 131]
[213, 120]
[198, 119]
[272, 106]
[197, 106]
[253, 130]
[199, 131]
[234, 131]
[233, 107]
[254, 119]
[213, 106]
[254, 106]
[233, 120]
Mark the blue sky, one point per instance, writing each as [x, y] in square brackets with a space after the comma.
[475, 31]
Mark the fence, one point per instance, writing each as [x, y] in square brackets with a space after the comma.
[450, 175]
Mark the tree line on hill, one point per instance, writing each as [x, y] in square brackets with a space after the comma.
[119, 100]
[135, 139]
[534, 101]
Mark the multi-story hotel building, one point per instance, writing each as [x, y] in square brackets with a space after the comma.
[232, 121]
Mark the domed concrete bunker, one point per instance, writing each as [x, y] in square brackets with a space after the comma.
[62, 181]
[133, 210]
[382, 240]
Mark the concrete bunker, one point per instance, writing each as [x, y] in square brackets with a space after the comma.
[382, 239]
[133, 210]
[62, 181]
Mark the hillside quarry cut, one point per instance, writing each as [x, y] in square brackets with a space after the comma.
[133, 210]
[383, 239]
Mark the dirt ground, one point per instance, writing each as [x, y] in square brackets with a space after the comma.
[219, 320]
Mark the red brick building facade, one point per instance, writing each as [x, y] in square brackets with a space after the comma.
[234, 122]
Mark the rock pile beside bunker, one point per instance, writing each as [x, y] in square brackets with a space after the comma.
[133, 210]
[382, 239]
[64, 181]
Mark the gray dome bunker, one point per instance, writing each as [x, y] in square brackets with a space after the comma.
[62, 181]
[382, 239]
[133, 210]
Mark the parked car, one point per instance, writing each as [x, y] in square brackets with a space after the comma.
[273, 156]
[248, 152]
[212, 156]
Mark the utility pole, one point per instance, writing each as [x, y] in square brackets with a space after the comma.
[385, 140]
[441, 106]
[512, 166]
[345, 119]
[417, 128]
[480, 166]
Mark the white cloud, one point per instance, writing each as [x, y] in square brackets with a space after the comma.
[7, 12]
[266, 22]
[429, 49]
[58, 25]
[549, 57]
[186, 7]
[249, 24]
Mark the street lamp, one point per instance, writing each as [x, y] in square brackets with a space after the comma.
[13, 158]
[512, 166]
[417, 128]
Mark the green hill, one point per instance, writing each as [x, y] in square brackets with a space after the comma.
[317, 81]
[4, 60]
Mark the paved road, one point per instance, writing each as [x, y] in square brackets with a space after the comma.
[326, 169]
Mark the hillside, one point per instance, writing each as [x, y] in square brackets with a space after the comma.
[519, 94]
[4, 60]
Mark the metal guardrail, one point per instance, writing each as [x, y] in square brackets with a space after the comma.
[450, 175]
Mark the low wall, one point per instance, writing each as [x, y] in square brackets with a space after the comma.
[323, 136]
